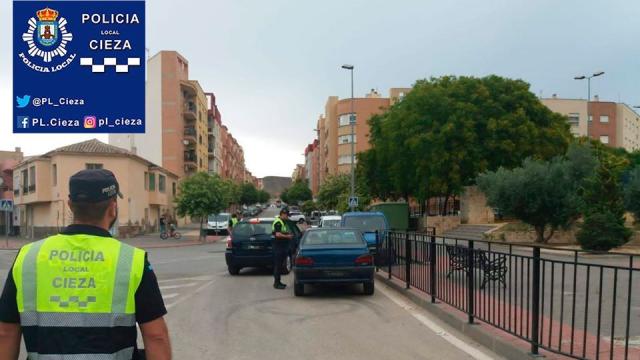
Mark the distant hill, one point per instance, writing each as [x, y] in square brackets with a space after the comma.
[275, 184]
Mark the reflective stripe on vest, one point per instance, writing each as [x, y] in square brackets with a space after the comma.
[78, 281]
[124, 354]
[284, 229]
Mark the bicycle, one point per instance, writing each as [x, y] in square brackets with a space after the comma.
[165, 235]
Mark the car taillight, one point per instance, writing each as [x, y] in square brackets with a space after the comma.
[304, 261]
[364, 260]
[229, 242]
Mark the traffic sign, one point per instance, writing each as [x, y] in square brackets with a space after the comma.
[79, 66]
[353, 202]
[6, 205]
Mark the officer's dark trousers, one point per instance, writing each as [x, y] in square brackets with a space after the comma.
[279, 255]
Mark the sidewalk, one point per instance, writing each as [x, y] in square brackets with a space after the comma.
[147, 241]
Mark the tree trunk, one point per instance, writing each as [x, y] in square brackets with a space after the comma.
[539, 234]
[446, 202]
[200, 232]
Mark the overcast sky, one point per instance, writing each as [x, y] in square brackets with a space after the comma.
[272, 64]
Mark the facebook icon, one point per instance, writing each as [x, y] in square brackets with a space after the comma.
[22, 122]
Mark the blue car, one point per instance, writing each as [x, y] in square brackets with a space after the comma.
[368, 223]
[333, 255]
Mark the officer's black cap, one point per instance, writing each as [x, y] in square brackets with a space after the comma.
[93, 186]
[284, 211]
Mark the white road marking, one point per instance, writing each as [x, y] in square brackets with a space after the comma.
[437, 329]
[176, 286]
[169, 296]
[198, 278]
[186, 259]
[187, 296]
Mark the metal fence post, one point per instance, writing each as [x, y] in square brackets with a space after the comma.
[389, 255]
[471, 282]
[407, 260]
[432, 264]
[535, 301]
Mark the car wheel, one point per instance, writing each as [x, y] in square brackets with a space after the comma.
[298, 289]
[287, 265]
[369, 288]
[233, 270]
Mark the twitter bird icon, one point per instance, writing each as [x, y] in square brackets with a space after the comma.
[23, 101]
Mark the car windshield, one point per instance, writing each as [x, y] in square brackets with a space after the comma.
[332, 237]
[331, 223]
[247, 229]
[365, 223]
[219, 217]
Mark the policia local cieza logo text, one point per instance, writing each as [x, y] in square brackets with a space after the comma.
[47, 38]
[81, 257]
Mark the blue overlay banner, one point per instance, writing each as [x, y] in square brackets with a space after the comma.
[79, 66]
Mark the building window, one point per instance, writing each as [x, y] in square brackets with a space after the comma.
[173, 188]
[32, 179]
[604, 118]
[344, 159]
[574, 119]
[161, 183]
[344, 119]
[346, 139]
[25, 181]
[152, 182]
[93, 166]
[604, 139]
[54, 174]
[590, 118]
[146, 180]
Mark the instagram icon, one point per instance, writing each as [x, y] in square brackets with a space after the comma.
[90, 122]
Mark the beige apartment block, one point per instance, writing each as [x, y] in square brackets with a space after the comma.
[334, 128]
[176, 134]
[42, 188]
[613, 124]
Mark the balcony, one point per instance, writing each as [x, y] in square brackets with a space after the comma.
[189, 111]
[190, 134]
[190, 160]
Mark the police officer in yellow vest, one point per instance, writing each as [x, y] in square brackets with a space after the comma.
[281, 241]
[232, 222]
[79, 294]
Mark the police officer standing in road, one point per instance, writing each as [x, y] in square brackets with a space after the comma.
[79, 294]
[282, 238]
[232, 222]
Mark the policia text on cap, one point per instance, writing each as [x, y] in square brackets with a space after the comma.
[79, 294]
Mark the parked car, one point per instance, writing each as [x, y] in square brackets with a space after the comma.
[368, 223]
[250, 245]
[330, 221]
[297, 216]
[333, 255]
[218, 224]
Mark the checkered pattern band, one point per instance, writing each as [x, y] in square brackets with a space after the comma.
[109, 62]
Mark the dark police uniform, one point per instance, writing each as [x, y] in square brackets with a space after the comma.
[280, 249]
[61, 325]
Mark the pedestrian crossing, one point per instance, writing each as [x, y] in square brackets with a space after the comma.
[177, 290]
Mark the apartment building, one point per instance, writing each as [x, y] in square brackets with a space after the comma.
[42, 188]
[8, 160]
[334, 128]
[299, 173]
[614, 124]
[214, 123]
[176, 133]
[312, 166]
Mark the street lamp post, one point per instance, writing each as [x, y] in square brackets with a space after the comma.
[582, 77]
[352, 121]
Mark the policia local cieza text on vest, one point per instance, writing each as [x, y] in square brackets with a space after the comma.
[85, 284]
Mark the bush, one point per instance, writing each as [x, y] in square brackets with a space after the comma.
[603, 231]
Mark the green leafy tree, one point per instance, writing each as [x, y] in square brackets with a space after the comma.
[448, 130]
[334, 193]
[632, 193]
[200, 195]
[248, 194]
[603, 206]
[297, 193]
[309, 206]
[263, 197]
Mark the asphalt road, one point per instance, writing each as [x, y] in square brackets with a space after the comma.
[213, 315]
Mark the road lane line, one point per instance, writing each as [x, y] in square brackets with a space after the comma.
[187, 296]
[169, 296]
[474, 352]
[185, 259]
[198, 278]
[167, 287]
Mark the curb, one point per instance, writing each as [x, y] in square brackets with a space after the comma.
[475, 331]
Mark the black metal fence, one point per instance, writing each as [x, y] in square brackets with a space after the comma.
[569, 302]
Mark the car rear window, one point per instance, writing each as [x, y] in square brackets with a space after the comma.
[332, 237]
[331, 223]
[365, 223]
[247, 229]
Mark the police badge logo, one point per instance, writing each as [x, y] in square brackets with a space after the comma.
[47, 37]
